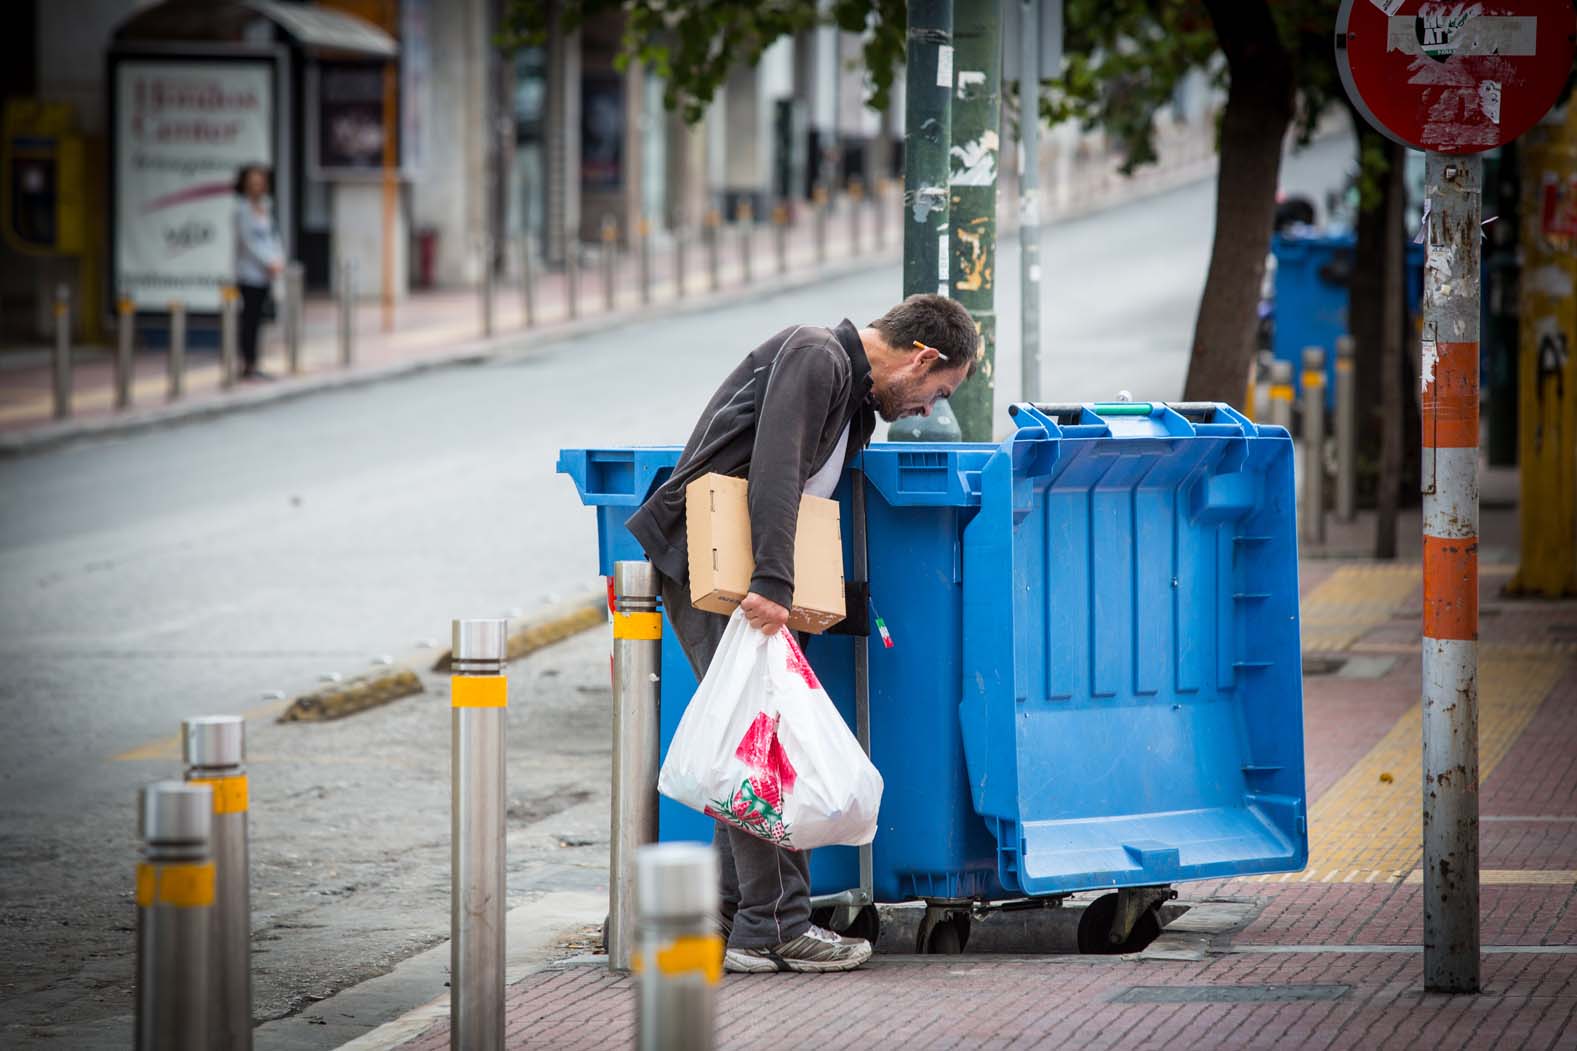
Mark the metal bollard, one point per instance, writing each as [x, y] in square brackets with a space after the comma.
[713, 220]
[175, 898]
[820, 203]
[572, 276]
[856, 205]
[610, 239]
[637, 670]
[681, 956]
[1346, 431]
[177, 362]
[229, 300]
[62, 355]
[528, 291]
[880, 200]
[125, 337]
[479, 695]
[780, 235]
[214, 747]
[1314, 445]
[746, 217]
[1281, 395]
[347, 312]
[485, 247]
[643, 234]
[295, 305]
[681, 244]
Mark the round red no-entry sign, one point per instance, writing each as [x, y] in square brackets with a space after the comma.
[1454, 77]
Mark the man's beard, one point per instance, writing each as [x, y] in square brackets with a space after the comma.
[891, 404]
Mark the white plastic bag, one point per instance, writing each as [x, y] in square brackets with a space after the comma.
[762, 747]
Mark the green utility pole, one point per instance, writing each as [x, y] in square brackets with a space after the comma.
[928, 124]
[977, 110]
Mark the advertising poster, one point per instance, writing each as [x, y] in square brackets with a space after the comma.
[183, 131]
[350, 117]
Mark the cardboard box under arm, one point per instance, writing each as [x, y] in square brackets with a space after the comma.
[722, 562]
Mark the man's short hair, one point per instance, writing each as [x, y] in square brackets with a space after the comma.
[940, 323]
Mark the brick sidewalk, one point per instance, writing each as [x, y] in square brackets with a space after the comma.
[1330, 957]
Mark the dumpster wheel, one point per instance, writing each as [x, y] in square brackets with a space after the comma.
[1098, 924]
[866, 923]
[944, 931]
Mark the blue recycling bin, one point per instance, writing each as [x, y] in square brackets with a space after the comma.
[1096, 678]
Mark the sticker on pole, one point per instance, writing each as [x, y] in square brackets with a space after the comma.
[1454, 77]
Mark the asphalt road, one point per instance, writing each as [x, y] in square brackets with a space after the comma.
[196, 569]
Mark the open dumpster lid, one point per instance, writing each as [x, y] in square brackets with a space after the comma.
[1132, 698]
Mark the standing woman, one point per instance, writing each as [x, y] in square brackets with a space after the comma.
[259, 258]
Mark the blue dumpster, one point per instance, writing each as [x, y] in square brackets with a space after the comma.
[1095, 680]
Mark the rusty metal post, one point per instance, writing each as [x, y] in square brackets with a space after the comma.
[780, 236]
[1449, 409]
[856, 206]
[177, 360]
[125, 335]
[820, 204]
[61, 361]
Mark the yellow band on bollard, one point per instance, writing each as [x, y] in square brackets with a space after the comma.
[479, 691]
[638, 626]
[1281, 392]
[186, 885]
[230, 793]
[1312, 378]
[702, 954]
[1343, 364]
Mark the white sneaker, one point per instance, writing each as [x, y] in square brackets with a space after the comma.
[815, 950]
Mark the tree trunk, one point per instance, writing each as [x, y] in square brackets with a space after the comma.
[1258, 110]
[1393, 365]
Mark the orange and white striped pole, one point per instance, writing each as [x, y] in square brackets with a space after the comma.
[1449, 407]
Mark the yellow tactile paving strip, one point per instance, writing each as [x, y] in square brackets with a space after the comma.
[1515, 877]
[1352, 601]
[1365, 829]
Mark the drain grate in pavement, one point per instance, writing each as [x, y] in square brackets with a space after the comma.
[1228, 994]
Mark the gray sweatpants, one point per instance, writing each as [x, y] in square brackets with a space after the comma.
[765, 889]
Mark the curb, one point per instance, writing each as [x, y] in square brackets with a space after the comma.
[527, 635]
[472, 352]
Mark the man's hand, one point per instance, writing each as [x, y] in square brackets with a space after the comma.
[763, 614]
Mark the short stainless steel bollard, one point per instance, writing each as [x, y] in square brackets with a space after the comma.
[819, 200]
[1281, 395]
[610, 260]
[485, 249]
[214, 747]
[479, 694]
[175, 899]
[528, 281]
[229, 302]
[643, 234]
[879, 199]
[1346, 431]
[713, 264]
[637, 670]
[572, 277]
[295, 306]
[856, 206]
[780, 236]
[177, 361]
[681, 246]
[746, 217]
[62, 354]
[1314, 445]
[681, 955]
[125, 344]
[347, 312]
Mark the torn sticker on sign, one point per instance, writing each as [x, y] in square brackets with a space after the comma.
[944, 66]
[1426, 365]
[967, 79]
[975, 163]
[941, 257]
[1489, 99]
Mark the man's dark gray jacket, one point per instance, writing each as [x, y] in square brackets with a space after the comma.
[775, 421]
